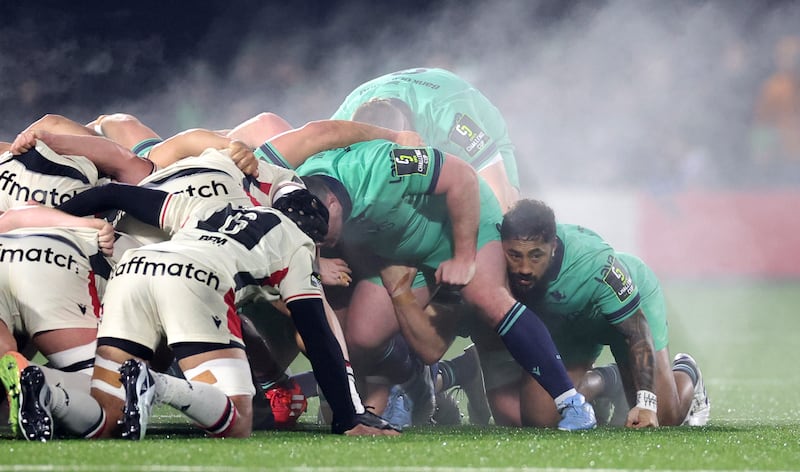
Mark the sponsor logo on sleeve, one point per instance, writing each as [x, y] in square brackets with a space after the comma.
[410, 161]
[468, 135]
[619, 280]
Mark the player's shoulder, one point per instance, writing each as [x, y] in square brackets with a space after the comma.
[583, 244]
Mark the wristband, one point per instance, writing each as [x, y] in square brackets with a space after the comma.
[646, 400]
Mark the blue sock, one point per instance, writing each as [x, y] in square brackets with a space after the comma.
[529, 342]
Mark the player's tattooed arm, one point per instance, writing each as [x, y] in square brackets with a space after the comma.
[642, 370]
[642, 352]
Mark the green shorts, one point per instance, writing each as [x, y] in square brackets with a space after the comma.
[143, 148]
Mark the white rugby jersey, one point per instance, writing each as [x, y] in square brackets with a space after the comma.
[212, 175]
[270, 178]
[258, 251]
[43, 175]
[69, 267]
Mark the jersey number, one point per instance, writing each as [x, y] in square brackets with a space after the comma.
[246, 226]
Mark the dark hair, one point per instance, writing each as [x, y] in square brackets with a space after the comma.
[318, 185]
[307, 212]
[529, 220]
[324, 185]
[386, 113]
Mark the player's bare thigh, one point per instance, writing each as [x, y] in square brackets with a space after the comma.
[370, 318]
[124, 129]
[54, 341]
[243, 403]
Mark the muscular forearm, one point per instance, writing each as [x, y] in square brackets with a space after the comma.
[422, 328]
[60, 125]
[459, 183]
[188, 143]
[41, 216]
[301, 143]
[109, 157]
[641, 350]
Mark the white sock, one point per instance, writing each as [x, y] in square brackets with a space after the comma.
[76, 410]
[203, 403]
[80, 381]
[562, 398]
[351, 378]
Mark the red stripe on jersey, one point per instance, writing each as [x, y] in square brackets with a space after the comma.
[93, 294]
[164, 210]
[276, 277]
[265, 187]
[252, 199]
[234, 322]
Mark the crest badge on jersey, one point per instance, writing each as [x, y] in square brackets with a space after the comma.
[619, 280]
[316, 280]
[408, 161]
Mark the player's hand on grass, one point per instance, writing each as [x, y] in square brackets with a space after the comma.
[335, 272]
[243, 157]
[363, 430]
[641, 418]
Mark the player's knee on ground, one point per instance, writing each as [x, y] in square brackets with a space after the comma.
[232, 377]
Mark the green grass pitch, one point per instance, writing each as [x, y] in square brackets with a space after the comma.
[742, 334]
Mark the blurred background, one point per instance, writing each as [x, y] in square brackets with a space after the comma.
[650, 121]
[662, 94]
[670, 127]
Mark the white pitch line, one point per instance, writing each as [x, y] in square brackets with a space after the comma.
[174, 468]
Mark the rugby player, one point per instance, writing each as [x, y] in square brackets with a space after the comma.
[219, 256]
[423, 207]
[449, 113]
[591, 296]
[38, 244]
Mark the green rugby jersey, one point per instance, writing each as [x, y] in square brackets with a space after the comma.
[592, 287]
[394, 213]
[449, 113]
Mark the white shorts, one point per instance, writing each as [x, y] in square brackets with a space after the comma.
[45, 284]
[141, 304]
